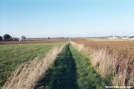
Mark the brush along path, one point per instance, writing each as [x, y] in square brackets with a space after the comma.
[11, 56]
[28, 73]
[71, 70]
[63, 73]
[87, 78]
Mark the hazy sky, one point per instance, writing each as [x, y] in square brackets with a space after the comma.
[66, 18]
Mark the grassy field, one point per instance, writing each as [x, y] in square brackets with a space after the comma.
[11, 56]
[87, 77]
[72, 70]
[81, 64]
[62, 75]
[113, 60]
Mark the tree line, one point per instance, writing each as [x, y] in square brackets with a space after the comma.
[8, 37]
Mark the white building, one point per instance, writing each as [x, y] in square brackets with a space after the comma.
[125, 38]
[131, 39]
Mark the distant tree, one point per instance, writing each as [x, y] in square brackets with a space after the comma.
[11, 39]
[48, 37]
[16, 39]
[131, 37]
[0, 38]
[7, 37]
[23, 37]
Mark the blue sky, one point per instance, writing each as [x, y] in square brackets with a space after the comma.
[66, 18]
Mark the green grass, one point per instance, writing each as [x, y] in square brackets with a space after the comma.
[62, 75]
[12, 56]
[72, 70]
[87, 78]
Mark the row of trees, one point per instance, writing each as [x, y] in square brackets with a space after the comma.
[8, 37]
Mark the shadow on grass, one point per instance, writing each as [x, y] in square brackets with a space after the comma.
[72, 70]
[87, 77]
[63, 73]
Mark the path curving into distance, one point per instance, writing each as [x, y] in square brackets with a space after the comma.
[71, 70]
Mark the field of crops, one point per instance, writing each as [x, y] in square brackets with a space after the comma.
[111, 58]
[11, 56]
[34, 41]
[80, 64]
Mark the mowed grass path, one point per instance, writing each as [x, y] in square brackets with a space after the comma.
[13, 55]
[87, 77]
[72, 70]
[62, 75]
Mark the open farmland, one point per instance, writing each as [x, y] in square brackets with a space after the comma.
[11, 56]
[72, 70]
[114, 60]
[34, 41]
[78, 64]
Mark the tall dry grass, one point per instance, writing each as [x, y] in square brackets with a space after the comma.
[109, 66]
[28, 74]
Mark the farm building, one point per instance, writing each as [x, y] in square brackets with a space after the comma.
[125, 38]
[131, 39]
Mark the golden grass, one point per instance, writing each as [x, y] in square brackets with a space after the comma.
[109, 65]
[28, 74]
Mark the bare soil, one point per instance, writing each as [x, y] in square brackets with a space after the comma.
[32, 42]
